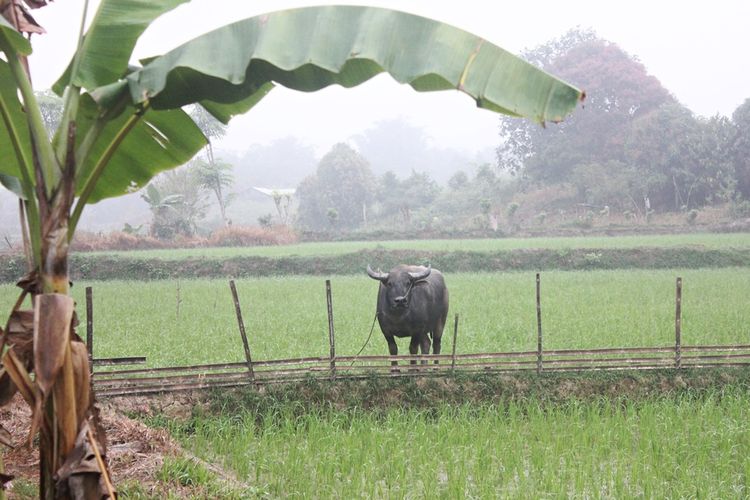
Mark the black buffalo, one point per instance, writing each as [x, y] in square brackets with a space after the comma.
[412, 302]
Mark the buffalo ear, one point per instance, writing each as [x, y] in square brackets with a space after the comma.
[382, 277]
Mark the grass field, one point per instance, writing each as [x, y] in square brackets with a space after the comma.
[286, 317]
[712, 241]
[667, 447]
[672, 446]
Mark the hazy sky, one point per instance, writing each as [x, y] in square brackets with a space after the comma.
[697, 49]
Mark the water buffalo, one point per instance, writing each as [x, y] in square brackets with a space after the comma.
[412, 302]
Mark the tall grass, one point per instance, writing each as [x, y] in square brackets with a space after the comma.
[672, 447]
[714, 241]
[191, 322]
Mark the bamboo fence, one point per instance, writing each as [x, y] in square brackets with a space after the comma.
[142, 381]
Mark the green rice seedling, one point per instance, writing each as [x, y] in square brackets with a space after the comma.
[672, 446]
[728, 240]
[203, 483]
[193, 321]
[184, 472]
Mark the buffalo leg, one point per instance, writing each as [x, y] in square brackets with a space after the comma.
[392, 348]
[425, 346]
[414, 348]
[437, 337]
[436, 341]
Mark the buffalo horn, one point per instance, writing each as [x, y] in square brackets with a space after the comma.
[376, 275]
[422, 274]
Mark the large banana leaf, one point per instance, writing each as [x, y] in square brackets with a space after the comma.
[310, 48]
[232, 68]
[12, 184]
[15, 143]
[104, 55]
[15, 39]
[228, 70]
[160, 140]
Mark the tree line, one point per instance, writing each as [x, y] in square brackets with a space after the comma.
[635, 147]
[633, 150]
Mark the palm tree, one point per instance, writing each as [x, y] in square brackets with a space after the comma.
[216, 176]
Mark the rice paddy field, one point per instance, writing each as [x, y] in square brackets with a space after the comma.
[676, 445]
[193, 321]
[710, 241]
[672, 447]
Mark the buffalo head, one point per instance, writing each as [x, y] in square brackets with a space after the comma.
[398, 285]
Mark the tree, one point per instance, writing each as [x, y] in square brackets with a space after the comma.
[404, 197]
[162, 206]
[419, 191]
[282, 200]
[213, 174]
[681, 158]
[634, 145]
[177, 202]
[217, 178]
[738, 147]
[210, 126]
[486, 180]
[122, 125]
[458, 180]
[611, 184]
[475, 201]
[342, 182]
[389, 194]
[618, 92]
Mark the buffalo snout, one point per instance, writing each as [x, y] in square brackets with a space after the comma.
[402, 302]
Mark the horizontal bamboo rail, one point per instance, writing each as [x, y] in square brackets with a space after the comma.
[205, 376]
[132, 360]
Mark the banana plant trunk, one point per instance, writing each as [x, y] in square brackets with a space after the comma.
[71, 449]
[54, 307]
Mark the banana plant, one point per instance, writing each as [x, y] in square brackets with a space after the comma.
[122, 124]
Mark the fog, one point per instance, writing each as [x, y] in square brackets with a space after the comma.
[696, 52]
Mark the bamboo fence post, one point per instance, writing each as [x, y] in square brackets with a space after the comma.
[90, 327]
[538, 326]
[241, 325]
[179, 301]
[331, 332]
[455, 335]
[678, 325]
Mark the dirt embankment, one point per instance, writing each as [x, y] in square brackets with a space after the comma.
[425, 393]
[98, 267]
[136, 453]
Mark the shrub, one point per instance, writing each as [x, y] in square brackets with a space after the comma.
[741, 209]
[512, 209]
[692, 215]
[235, 236]
[225, 237]
[265, 220]
[116, 240]
[649, 215]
